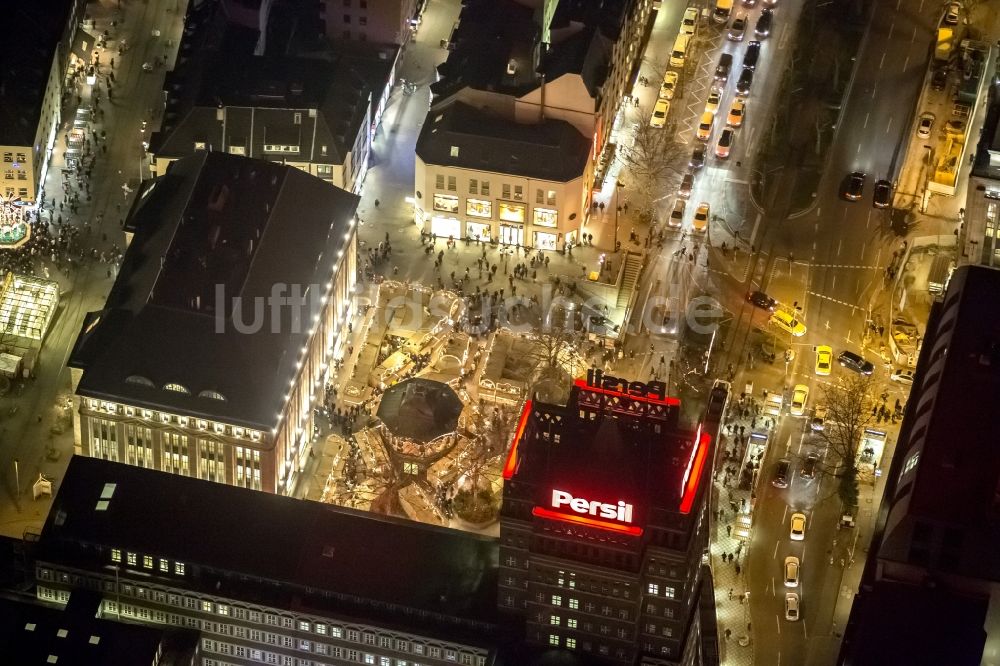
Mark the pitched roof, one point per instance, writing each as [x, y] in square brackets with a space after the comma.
[462, 136]
[215, 227]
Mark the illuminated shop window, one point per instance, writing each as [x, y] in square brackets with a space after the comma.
[512, 212]
[545, 217]
[479, 207]
[446, 203]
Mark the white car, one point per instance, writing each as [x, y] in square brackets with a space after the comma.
[791, 571]
[676, 218]
[926, 123]
[902, 376]
[690, 21]
[798, 527]
[791, 607]
[800, 394]
[712, 105]
[725, 143]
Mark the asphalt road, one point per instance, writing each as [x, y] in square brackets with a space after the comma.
[839, 249]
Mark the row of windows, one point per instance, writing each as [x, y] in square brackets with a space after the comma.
[149, 563]
[20, 174]
[21, 192]
[482, 187]
[571, 643]
[268, 619]
[184, 421]
[353, 656]
[10, 157]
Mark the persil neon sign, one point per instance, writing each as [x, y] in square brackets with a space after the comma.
[621, 512]
[590, 513]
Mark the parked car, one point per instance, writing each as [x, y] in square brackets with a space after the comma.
[761, 300]
[854, 186]
[951, 13]
[797, 529]
[705, 124]
[883, 194]
[764, 23]
[690, 21]
[902, 376]
[792, 607]
[925, 125]
[737, 110]
[725, 143]
[939, 79]
[687, 184]
[752, 55]
[659, 118]
[738, 28]
[744, 82]
[676, 219]
[855, 362]
[781, 473]
[791, 571]
[669, 85]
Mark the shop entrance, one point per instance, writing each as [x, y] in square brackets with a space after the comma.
[511, 234]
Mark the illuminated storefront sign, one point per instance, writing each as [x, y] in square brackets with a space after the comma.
[589, 513]
[597, 379]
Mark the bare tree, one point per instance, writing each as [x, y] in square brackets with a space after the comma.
[554, 358]
[653, 159]
[850, 407]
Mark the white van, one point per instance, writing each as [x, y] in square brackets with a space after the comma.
[679, 52]
[723, 8]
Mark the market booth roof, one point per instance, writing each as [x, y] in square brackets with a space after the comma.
[420, 409]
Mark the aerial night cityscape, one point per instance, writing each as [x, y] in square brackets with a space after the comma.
[500, 333]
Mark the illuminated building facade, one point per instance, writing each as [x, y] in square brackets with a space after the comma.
[218, 335]
[604, 523]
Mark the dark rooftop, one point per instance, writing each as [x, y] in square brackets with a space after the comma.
[551, 150]
[32, 634]
[214, 222]
[917, 626]
[32, 32]
[586, 53]
[231, 537]
[642, 461]
[276, 87]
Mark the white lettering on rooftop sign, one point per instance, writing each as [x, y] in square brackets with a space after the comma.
[621, 512]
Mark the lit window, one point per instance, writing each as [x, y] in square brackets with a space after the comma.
[553, 639]
[206, 606]
[179, 568]
[147, 561]
[669, 592]
[556, 600]
[555, 620]
[133, 559]
[571, 642]
[116, 555]
[653, 588]
[176, 388]
[454, 151]
[574, 603]
[571, 623]
[303, 625]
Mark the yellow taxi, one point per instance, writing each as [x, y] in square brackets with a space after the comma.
[669, 85]
[824, 360]
[787, 322]
[700, 222]
[736, 113]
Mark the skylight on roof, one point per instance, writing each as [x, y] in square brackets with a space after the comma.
[176, 388]
[213, 395]
[102, 505]
[140, 380]
[109, 491]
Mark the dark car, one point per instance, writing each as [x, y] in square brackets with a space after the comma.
[855, 362]
[781, 473]
[809, 466]
[939, 79]
[883, 194]
[744, 83]
[752, 55]
[854, 186]
[764, 23]
[761, 300]
[697, 157]
[723, 68]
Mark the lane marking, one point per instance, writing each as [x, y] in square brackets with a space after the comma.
[831, 299]
[833, 284]
[840, 246]
[906, 63]
[775, 556]
[866, 120]
[859, 147]
[891, 28]
[882, 61]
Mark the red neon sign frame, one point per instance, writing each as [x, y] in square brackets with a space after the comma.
[510, 466]
[695, 467]
[586, 521]
[582, 383]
